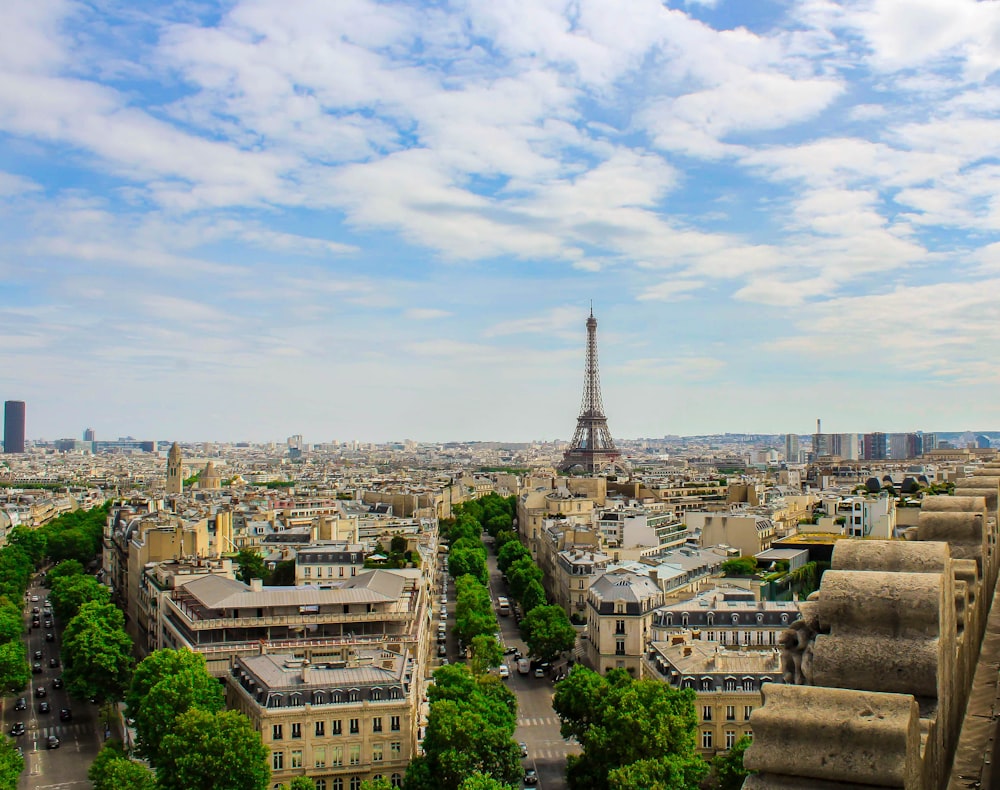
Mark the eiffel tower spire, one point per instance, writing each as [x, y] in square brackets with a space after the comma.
[592, 447]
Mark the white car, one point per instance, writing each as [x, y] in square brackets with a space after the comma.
[504, 672]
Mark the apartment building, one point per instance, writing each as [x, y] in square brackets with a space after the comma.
[726, 683]
[328, 565]
[343, 720]
[749, 532]
[221, 617]
[727, 615]
[620, 608]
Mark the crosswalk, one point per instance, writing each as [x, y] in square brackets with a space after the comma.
[538, 721]
[553, 753]
[62, 730]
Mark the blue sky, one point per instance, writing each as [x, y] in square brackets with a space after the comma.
[387, 220]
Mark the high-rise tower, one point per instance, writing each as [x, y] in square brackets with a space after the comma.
[13, 426]
[592, 447]
[175, 477]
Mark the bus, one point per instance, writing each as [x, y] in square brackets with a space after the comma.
[503, 606]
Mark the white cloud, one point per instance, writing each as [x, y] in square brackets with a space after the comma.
[425, 313]
[670, 291]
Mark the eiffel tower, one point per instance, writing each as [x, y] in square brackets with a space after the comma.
[592, 447]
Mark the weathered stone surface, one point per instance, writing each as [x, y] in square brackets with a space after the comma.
[839, 735]
[890, 555]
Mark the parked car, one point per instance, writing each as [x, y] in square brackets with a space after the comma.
[504, 672]
[539, 672]
[21, 704]
[524, 749]
[38, 655]
[442, 650]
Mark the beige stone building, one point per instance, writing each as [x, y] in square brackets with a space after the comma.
[750, 533]
[620, 607]
[175, 470]
[338, 722]
[727, 683]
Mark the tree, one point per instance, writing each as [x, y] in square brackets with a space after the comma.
[474, 613]
[634, 733]
[69, 593]
[113, 770]
[486, 653]
[303, 783]
[31, 541]
[64, 568]
[11, 762]
[521, 574]
[497, 523]
[11, 621]
[547, 631]
[739, 566]
[502, 539]
[283, 574]
[470, 729]
[97, 653]
[368, 784]
[481, 781]
[398, 544]
[533, 596]
[728, 772]
[511, 551]
[212, 751]
[468, 561]
[165, 684]
[251, 565]
[14, 670]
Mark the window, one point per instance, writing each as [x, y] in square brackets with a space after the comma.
[395, 750]
[747, 710]
[619, 626]
[355, 780]
[396, 780]
[336, 727]
[277, 760]
[338, 784]
[320, 728]
[297, 729]
[748, 733]
[730, 739]
[296, 759]
[706, 684]
[355, 727]
[730, 713]
[276, 733]
[378, 752]
[748, 684]
[619, 647]
[730, 684]
[354, 756]
[321, 784]
[319, 756]
[308, 571]
[336, 756]
[394, 723]
[706, 739]
[706, 713]
[377, 724]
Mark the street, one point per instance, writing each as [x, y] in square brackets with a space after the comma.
[79, 737]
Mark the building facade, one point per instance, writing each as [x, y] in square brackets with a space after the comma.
[13, 426]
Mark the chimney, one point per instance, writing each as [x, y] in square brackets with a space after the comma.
[687, 651]
[307, 671]
[256, 585]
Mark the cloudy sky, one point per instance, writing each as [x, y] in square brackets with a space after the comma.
[386, 220]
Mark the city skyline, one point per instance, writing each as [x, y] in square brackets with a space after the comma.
[387, 220]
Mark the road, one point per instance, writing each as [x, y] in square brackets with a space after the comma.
[80, 738]
[537, 723]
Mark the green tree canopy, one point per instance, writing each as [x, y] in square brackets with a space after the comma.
[14, 670]
[520, 574]
[474, 613]
[634, 733]
[468, 561]
[97, 653]
[171, 696]
[728, 772]
[11, 763]
[212, 751]
[113, 770]
[502, 538]
[486, 654]
[511, 551]
[69, 593]
[31, 541]
[740, 566]
[64, 568]
[547, 631]
[534, 595]
[251, 565]
[498, 523]
[481, 781]
[11, 621]
[470, 729]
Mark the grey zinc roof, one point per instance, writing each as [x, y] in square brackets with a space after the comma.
[236, 595]
[625, 586]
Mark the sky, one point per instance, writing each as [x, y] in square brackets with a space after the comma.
[389, 220]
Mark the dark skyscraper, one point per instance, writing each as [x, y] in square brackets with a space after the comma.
[13, 426]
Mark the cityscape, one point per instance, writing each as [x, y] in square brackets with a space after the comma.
[499, 395]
